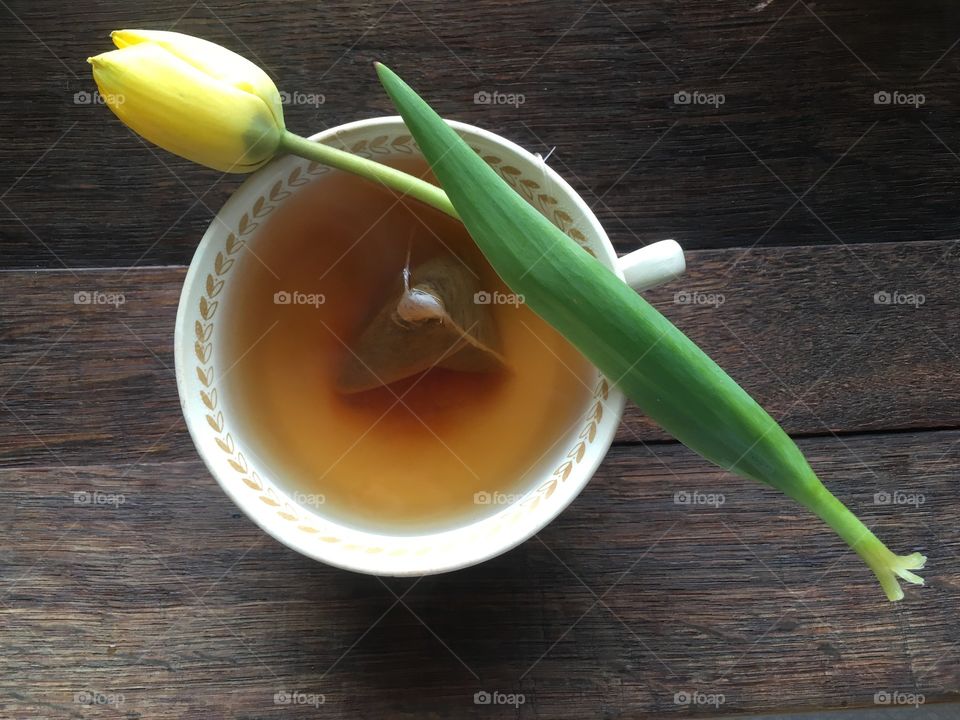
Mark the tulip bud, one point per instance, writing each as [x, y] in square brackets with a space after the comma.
[192, 97]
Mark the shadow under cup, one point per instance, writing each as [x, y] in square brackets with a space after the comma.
[433, 473]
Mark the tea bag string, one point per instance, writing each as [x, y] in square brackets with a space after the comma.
[406, 265]
[542, 163]
[416, 305]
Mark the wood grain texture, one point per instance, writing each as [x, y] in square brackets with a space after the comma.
[798, 328]
[799, 199]
[184, 608]
[598, 80]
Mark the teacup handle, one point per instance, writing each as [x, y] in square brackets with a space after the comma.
[653, 265]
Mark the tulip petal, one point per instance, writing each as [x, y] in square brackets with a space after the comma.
[186, 111]
[212, 59]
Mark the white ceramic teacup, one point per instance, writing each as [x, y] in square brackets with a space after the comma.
[219, 437]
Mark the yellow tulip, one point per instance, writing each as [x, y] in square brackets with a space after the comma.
[192, 97]
[207, 104]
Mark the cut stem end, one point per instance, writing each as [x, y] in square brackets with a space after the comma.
[886, 565]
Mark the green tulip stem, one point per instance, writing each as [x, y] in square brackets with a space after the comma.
[401, 182]
[886, 565]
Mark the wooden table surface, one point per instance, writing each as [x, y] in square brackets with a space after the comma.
[798, 197]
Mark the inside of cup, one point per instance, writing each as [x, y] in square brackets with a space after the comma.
[258, 484]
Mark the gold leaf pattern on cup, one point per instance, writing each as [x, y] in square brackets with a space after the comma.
[303, 173]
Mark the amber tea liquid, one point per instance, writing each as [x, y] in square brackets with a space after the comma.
[318, 269]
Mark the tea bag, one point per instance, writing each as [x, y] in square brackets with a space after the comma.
[433, 320]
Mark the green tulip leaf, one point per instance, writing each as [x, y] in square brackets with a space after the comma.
[658, 367]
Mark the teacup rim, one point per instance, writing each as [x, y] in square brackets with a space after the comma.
[613, 404]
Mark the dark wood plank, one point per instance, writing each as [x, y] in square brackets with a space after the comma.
[598, 81]
[828, 339]
[798, 328]
[89, 381]
[177, 603]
